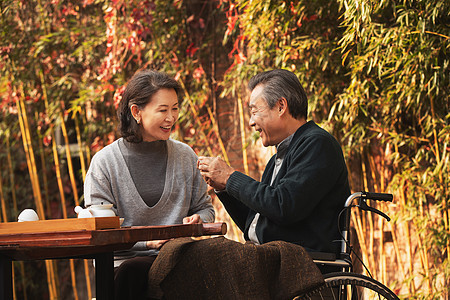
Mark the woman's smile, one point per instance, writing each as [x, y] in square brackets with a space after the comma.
[159, 115]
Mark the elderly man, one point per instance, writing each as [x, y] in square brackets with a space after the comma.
[304, 185]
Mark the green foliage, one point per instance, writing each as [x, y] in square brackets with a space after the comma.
[69, 62]
[398, 54]
[296, 35]
[376, 73]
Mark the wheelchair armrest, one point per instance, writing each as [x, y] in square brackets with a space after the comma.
[322, 255]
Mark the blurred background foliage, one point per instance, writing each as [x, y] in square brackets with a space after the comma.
[376, 73]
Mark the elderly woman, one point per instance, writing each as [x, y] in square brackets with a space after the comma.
[149, 178]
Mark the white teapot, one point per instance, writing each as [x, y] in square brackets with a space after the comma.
[95, 211]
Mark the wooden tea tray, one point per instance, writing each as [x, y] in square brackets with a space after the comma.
[57, 225]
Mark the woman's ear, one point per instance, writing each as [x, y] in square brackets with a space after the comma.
[136, 112]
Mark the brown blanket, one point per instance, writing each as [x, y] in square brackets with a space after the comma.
[219, 268]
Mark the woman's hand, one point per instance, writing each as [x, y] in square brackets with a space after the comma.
[156, 244]
[194, 219]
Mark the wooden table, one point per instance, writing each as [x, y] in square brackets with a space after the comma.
[96, 244]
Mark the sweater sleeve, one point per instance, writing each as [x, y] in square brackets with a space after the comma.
[97, 185]
[309, 174]
[237, 210]
[201, 203]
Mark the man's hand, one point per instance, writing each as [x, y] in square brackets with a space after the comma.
[194, 219]
[215, 171]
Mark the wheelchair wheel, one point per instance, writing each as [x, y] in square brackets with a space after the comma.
[350, 286]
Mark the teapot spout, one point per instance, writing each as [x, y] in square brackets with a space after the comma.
[78, 209]
[82, 212]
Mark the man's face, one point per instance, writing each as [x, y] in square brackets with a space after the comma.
[265, 120]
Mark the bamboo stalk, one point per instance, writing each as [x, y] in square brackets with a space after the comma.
[69, 158]
[88, 278]
[11, 173]
[356, 219]
[196, 118]
[13, 282]
[22, 271]
[408, 240]
[444, 203]
[422, 250]
[83, 173]
[2, 198]
[58, 174]
[80, 147]
[63, 206]
[27, 155]
[51, 279]
[59, 180]
[32, 167]
[26, 139]
[86, 146]
[20, 263]
[400, 263]
[44, 168]
[383, 208]
[382, 264]
[424, 263]
[51, 264]
[382, 254]
[393, 232]
[5, 219]
[370, 254]
[38, 200]
[216, 129]
[445, 210]
[73, 279]
[243, 136]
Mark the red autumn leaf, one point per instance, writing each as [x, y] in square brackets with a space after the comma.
[198, 73]
[239, 58]
[118, 96]
[47, 140]
[190, 51]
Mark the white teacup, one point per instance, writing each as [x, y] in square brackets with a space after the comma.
[28, 215]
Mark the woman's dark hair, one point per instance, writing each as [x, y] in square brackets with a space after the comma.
[139, 91]
[282, 84]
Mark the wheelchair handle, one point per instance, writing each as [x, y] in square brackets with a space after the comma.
[377, 196]
[368, 195]
[362, 204]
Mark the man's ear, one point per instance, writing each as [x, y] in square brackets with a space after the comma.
[282, 106]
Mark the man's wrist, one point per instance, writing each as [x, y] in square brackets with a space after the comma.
[224, 189]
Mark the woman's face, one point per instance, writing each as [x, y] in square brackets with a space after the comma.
[158, 116]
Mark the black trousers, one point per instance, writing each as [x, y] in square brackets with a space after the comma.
[131, 278]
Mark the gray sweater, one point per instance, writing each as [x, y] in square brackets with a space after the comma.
[108, 180]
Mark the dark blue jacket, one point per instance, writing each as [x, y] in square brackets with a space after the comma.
[304, 201]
